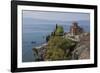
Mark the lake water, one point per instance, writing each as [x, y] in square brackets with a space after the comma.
[37, 33]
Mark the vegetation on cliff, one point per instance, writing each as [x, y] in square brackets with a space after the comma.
[61, 46]
[58, 47]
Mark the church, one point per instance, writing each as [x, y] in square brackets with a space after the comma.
[75, 29]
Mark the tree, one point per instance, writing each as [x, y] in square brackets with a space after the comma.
[59, 30]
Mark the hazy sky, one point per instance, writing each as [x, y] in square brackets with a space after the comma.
[56, 16]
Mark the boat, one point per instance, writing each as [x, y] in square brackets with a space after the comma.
[33, 42]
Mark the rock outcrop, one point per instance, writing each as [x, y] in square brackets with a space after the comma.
[82, 50]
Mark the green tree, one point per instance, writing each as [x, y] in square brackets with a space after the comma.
[59, 30]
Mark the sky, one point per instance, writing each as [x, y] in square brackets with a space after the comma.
[56, 16]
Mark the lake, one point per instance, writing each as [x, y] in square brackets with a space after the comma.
[34, 35]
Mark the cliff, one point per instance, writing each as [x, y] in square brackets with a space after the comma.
[71, 45]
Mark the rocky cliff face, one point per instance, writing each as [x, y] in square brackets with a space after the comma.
[82, 50]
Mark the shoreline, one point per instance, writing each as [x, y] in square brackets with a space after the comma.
[38, 47]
